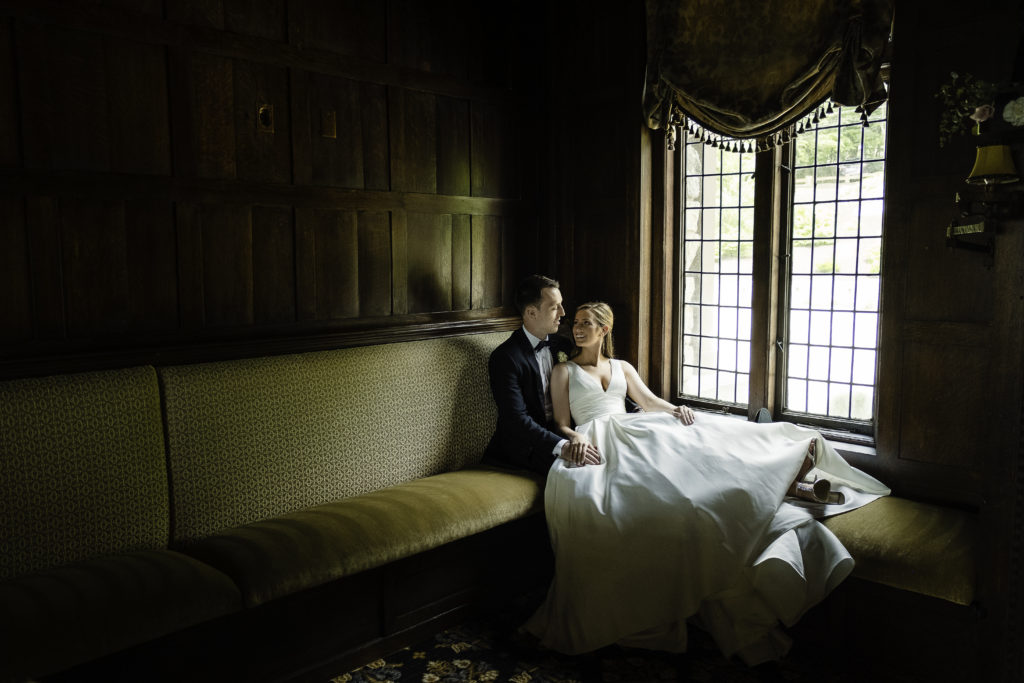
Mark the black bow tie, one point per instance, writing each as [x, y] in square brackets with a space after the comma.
[541, 344]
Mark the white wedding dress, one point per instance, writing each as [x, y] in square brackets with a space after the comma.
[682, 522]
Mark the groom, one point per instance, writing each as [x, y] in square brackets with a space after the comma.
[520, 370]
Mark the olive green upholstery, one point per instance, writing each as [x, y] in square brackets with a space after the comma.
[82, 468]
[135, 503]
[298, 550]
[71, 614]
[914, 546]
[85, 524]
[254, 439]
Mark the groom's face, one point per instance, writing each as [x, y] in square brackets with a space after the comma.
[549, 310]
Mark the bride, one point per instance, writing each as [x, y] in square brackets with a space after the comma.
[686, 518]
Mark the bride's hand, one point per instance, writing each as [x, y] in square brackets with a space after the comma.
[578, 451]
[684, 414]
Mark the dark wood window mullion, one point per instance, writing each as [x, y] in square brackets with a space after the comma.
[772, 196]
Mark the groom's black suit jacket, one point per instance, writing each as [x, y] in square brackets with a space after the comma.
[523, 437]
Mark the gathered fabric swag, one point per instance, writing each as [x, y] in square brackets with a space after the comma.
[751, 75]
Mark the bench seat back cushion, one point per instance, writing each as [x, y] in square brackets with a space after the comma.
[82, 469]
[256, 438]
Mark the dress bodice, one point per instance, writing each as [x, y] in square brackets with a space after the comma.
[588, 401]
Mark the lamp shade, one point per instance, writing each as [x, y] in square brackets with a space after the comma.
[993, 166]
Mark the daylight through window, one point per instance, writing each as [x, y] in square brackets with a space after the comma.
[828, 331]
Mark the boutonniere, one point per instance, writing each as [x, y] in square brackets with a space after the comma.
[562, 357]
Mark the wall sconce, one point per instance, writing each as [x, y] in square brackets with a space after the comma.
[993, 165]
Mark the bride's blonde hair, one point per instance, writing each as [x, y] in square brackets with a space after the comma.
[602, 313]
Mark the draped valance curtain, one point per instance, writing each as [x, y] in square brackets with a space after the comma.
[751, 70]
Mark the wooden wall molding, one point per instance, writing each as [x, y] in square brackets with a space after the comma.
[225, 346]
[117, 186]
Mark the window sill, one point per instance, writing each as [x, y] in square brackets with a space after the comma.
[845, 443]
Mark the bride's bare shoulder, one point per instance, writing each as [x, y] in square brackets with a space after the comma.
[626, 366]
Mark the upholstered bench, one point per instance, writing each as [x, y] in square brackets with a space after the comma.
[276, 557]
[136, 504]
[85, 567]
[913, 546]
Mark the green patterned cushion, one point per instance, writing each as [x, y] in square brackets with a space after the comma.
[276, 557]
[254, 439]
[68, 615]
[914, 546]
[82, 468]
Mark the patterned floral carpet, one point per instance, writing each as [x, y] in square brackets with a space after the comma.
[492, 649]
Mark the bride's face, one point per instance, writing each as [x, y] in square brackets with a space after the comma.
[586, 331]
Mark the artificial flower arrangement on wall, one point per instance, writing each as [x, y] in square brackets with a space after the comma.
[967, 102]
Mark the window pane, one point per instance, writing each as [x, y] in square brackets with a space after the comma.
[835, 260]
[843, 294]
[800, 291]
[841, 365]
[849, 181]
[797, 360]
[817, 362]
[867, 293]
[862, 407]
[796, 395]
[864, 366]
[717, 256]
[838, 400]
[817, 398]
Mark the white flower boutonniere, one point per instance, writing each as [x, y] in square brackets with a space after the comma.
[562, 357]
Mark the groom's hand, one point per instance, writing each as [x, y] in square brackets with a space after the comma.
[581, 453]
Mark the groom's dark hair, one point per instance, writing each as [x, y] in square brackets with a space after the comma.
[528, 292]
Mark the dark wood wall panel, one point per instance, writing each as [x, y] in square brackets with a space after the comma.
[63, 89]
[495, 173]
[263, 153]
[430, 262]
[453, 166]
[227, 264]
[347, 27]
[943, 283]
[42, 222]
[260, 18]
[413, 132]
[335, 125]
[213, 115]
[374, 263]
[486, 277]
[15, 311]
[148, 207]
[376, 163]
[207, 13]
[94, 266]
[462, 263]
[188, 231]
[9, 124]
[152, 263]
[140, 134]
[273, 264]
[336, 244]
[429, 36]
[929, 394]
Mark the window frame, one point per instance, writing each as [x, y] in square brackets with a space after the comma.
[773, 208]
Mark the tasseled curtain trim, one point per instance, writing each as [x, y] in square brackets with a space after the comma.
[699, 133]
